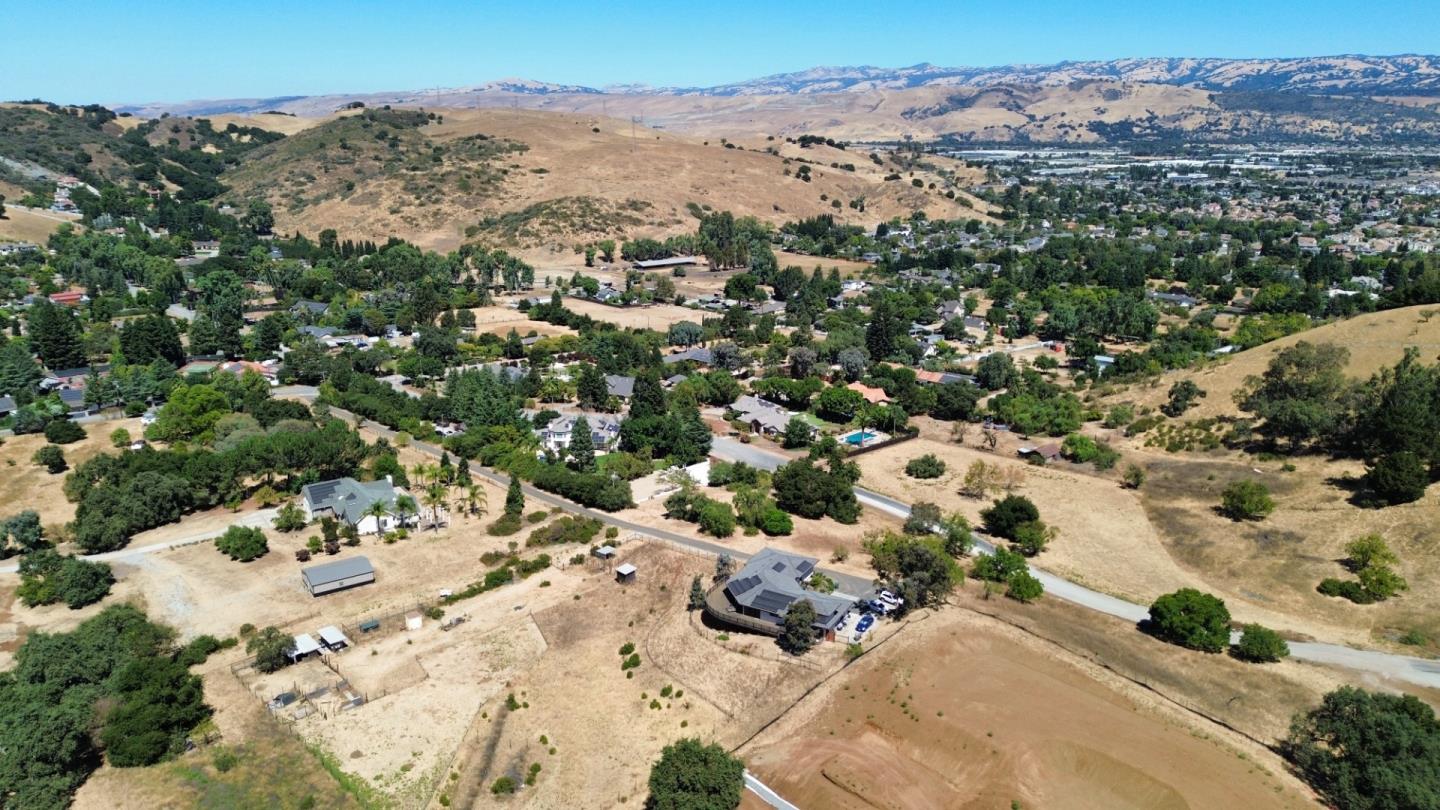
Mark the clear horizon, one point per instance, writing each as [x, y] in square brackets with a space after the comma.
[147, 51]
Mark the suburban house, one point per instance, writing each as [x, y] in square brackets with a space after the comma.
[619, 386]
[353, 502]
[763, 417]
[337, 576]
[941, 377]
[70, 298]
[874, 396]
[697, 354]
[759, 595]
[604, 431]
[311, 309]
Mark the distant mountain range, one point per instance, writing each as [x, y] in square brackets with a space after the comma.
[1348, 97]
[1345, 75]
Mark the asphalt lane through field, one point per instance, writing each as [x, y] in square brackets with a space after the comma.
[1419, 671]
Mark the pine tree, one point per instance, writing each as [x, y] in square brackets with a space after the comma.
[514, 498]
[697, 594]
[582, 446]
[55, 335]
[19, 374]
[591, 389]
[514, 349]
[648, 398]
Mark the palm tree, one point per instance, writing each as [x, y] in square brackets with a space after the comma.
[423, 472]
[405, 505]
[476, 500]
[434, 498]
[378, 511]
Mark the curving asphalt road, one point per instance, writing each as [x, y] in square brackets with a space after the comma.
[1418, 671]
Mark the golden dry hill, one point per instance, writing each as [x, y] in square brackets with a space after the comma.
[1374, 340]
[526, 179]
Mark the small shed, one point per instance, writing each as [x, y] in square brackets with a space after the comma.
[304, 645]
[605, 552]
[1046, 452]
[338, 575]
[333, 639]
[413, 620]
[625, 572]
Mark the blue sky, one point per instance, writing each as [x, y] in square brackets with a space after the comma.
[140, 50]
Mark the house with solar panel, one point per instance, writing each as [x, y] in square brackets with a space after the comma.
[758, 596]
[354, 502]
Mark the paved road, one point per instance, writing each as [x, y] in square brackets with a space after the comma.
[770, 797]
[261, 519]
[850, 584]
[1420, 671]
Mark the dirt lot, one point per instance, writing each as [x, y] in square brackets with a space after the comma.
[963, 711]
[178, 585]
[27, 486]
[656, 316]
[593, 730]
[501, 319]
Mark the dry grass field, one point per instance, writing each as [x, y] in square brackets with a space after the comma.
[655, 316]
[1374, 340]
[1106, 539]
[581, 178]
[24, 485]
[1168, 535]
[960, 710]
[25, 225]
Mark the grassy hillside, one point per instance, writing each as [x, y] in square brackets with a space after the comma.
[1374, 340]
[182, 155]
[538, 180]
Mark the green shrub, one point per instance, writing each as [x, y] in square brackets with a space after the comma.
[1023, 587]
[51, 458]
[1246, 500]
[1191, 619]
[63, 431]
[1260, 645]
[926, 466]
[775, 522]
[1398, 478]
[504, 786]
[506, 525]
[1007, 514]
[243, 543]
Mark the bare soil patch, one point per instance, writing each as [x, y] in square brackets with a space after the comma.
[962, 712]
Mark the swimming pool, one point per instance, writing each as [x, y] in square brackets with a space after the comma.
[863, 438]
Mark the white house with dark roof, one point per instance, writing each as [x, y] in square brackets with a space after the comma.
[351, 501]
[556, 436]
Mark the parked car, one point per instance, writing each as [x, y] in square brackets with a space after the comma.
[866, 622]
